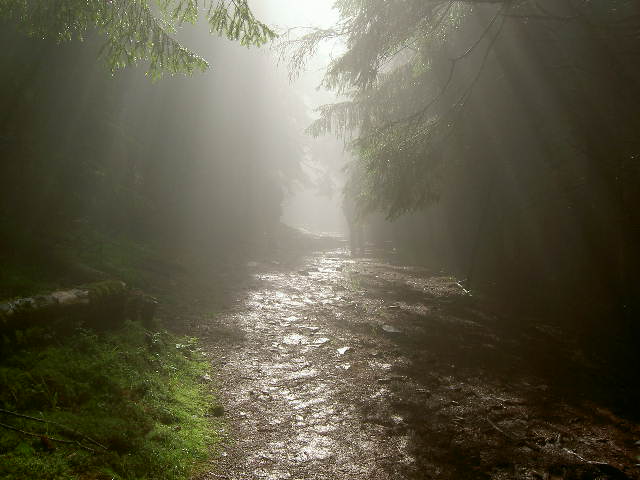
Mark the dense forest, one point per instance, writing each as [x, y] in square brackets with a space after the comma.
[502, 135]
[89, 158]
[476, 318]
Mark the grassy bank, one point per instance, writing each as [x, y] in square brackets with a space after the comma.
[128, 404]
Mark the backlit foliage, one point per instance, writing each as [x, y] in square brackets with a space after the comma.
[138, 31]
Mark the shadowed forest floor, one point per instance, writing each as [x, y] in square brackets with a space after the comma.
[339, 368]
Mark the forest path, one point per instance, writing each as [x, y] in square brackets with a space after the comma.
[346, 368]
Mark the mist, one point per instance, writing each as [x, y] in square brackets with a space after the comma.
[319, 240]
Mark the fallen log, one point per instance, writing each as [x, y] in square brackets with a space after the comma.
[102, 303]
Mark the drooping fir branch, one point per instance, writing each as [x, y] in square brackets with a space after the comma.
[138, 31]
[409, 71]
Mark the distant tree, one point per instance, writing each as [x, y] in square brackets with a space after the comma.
[137, 31]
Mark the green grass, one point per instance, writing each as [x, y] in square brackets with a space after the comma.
[139, 394]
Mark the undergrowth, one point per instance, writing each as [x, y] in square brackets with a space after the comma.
[29, 266]
[130, 404]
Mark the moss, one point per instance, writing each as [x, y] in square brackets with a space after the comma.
[138, 393]
[105, 288]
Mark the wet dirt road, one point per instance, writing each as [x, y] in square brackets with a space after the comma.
[340, 368]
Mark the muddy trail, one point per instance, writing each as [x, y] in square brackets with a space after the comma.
[341, 368]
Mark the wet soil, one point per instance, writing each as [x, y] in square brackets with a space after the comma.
[341, 368]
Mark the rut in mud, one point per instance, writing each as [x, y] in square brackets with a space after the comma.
[343, 368]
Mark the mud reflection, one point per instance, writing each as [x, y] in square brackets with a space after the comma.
[360, 369]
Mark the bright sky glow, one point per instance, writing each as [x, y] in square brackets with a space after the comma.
[295, 13]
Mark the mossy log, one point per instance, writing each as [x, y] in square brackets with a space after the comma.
[101, 304]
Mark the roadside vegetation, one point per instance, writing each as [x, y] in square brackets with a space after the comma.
[124, 404]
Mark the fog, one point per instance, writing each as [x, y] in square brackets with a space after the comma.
[385, 239]
[314, 205]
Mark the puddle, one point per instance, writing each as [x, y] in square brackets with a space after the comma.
[295, 339]
[307, 327]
